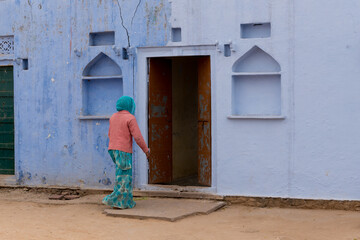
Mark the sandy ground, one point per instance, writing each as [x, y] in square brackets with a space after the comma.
[26, 216]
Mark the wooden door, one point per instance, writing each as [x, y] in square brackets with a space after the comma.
[6, 120]
[160, 120]
[204, 121]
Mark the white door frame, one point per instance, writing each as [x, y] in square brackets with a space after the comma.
[141, 99]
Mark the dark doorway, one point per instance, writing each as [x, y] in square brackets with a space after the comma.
[179, 121]
[6, 120]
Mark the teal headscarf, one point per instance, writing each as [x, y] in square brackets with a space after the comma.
[126, 103]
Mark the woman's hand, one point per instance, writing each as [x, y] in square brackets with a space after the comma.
[148, 154]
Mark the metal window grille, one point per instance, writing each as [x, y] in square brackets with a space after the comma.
[6, 45]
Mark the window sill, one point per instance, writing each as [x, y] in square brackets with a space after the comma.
[265, 117]
[91, 117]
[256, 73]
[101, 77]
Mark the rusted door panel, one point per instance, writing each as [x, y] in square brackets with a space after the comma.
[204, 121]
[160, 121]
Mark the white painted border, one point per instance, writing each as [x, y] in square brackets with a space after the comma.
[141, 99]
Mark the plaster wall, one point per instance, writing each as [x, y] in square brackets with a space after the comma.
[53, 145]
[5, 17]
[310, 153]
[326, 73]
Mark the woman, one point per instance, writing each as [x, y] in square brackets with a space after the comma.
[123, 127]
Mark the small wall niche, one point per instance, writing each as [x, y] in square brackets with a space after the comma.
[255, 30]
[102, 86]
[25, 64]
[102, 38]
[257, 95]
[256, 86]
[176, 34]
[100, 96]
[227, 50]
[125, 54]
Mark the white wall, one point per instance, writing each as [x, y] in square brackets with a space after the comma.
[313, 152]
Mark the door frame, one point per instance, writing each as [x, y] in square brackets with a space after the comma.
[8, 61]
[142, 100]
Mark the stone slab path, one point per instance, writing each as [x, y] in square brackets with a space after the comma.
[166, 209]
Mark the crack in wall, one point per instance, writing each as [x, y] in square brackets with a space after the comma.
[132, 19]
[133, 73]
[31, 13]
[128, 36]
[122, 23]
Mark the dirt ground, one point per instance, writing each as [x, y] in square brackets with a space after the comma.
[25, 215]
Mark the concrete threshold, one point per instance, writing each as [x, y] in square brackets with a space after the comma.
[178, 194]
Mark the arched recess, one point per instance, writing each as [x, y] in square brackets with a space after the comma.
[102, 85]
[256, 60]
[102, 65]
[256, 86]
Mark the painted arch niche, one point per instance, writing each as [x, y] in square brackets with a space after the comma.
[256, 60]
[102, 65]
[102, 85]
[256, 85]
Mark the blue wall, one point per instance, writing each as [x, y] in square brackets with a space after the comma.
[53, 146]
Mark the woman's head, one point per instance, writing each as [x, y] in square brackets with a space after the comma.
[126, 103]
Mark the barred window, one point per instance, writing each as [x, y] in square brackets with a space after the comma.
[6, 45]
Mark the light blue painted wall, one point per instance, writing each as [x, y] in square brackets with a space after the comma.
[326, 99]
[312, 153]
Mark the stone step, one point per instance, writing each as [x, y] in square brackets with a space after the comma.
[177, 194]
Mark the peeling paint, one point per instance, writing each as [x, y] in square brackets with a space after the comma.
[106, 181]
[43, 180]
[158, 106]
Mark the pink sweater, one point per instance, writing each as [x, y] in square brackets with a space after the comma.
[123, 127]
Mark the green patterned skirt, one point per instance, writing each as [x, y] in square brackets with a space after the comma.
[122, 196]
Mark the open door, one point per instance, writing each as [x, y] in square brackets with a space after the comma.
[204, 121]
[180, 121]
[160, 120]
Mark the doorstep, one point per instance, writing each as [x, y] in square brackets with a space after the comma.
[177, 194]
